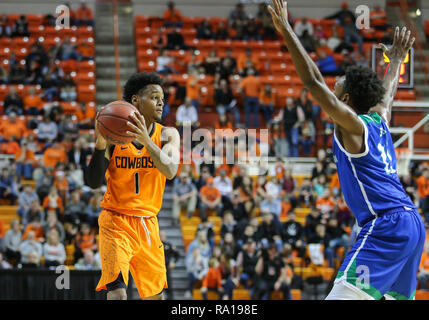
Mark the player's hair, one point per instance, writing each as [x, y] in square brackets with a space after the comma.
[137, 82]
[364, 88]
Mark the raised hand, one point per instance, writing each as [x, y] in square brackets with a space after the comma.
[402, 43]
[279, 14]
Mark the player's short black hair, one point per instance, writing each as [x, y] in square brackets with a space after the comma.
[364, 88]
[137, 82]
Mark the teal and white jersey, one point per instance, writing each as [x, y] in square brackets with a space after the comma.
[369, 180]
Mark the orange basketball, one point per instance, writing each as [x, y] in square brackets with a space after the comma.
[112, 121]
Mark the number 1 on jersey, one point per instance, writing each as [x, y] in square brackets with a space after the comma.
[136, 183]
[387, 159]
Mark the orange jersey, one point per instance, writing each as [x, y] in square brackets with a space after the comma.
[134, 185]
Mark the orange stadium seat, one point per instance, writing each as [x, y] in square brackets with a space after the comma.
[86, 93]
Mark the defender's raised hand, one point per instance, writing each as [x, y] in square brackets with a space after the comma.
[402, 43]
[279, 14]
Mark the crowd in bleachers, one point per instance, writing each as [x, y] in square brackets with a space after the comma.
[269, 233]
[46, 74]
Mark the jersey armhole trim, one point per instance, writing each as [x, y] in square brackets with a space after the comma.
[355, 155]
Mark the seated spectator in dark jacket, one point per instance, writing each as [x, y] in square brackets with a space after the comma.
[13, 102]
[247, 258]
[20, 28]
[271, 275]
[7, 187]
[5, 29]
[204, 31]
[17, 74]
[222, 32]
[269, 231]
[175, 40]
[293, 233]
[75, 209]
[33, 212]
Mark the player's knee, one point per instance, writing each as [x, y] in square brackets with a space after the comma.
[118, 294]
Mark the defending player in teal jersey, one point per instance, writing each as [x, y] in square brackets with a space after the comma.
[385, 257]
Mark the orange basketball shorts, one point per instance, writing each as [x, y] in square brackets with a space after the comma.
[130, 243]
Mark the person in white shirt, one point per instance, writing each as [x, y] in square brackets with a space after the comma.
[53, 250]
[28, 246]
[162, 62]
[224, 185]
[303, 25]
[186, 115]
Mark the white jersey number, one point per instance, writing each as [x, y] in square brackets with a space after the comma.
[387, 159]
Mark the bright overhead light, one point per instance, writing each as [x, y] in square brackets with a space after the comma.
[418, 12]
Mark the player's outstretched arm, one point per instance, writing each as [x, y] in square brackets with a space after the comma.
[310, 75]
[167, 159]
[402, 43]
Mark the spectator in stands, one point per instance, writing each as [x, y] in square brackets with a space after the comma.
[184, 195]
[85, 116]
[175, 40]
[33, 102]
[343, 14]
[25, 198]
[305, 194]
[172, 16]
[293, 116]
[211, 63]
[25, 161]
[34, 73]
[35, 223]
[52, 224]
[78, 154]
[17, 73]
[266, 103]
[37, 54]
[264, 16]
[33, 211]
[204, 30]
[250, 87]
[237, 20]
[224, 185]
[159, 40]
[13, 102]
[50, 87]
[88, 261]
[251, 30]
[75, 209]
[163, 62]
[7, 187]
[93, 209]
[423, 190]
[5, 30]
[44, 183]
[53, 202]
[303, 25]
[84, 15]
[228, 65]
[47, 131]
[68, 127]
[293, 233]
[212, 281]
[207, 227]
[85, 240]
[311, 221]
[269, 231]
[336, 43]
[196, 267]
[222, 32]
[225, 101]
[29, 245]
[68, 89]
[308, 42]
[210, 198]
[12, 242]
[193, 89]
[53, 250]
[337, 236]
[85, 50]
[269, 270]
[229, 225]
[20, 28]
[247, 259]
[410, 186]
[325, 203]
[53, 155]
[186, 116]
[327, 64]
[272, 205]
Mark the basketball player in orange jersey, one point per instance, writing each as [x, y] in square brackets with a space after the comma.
[136, 174]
